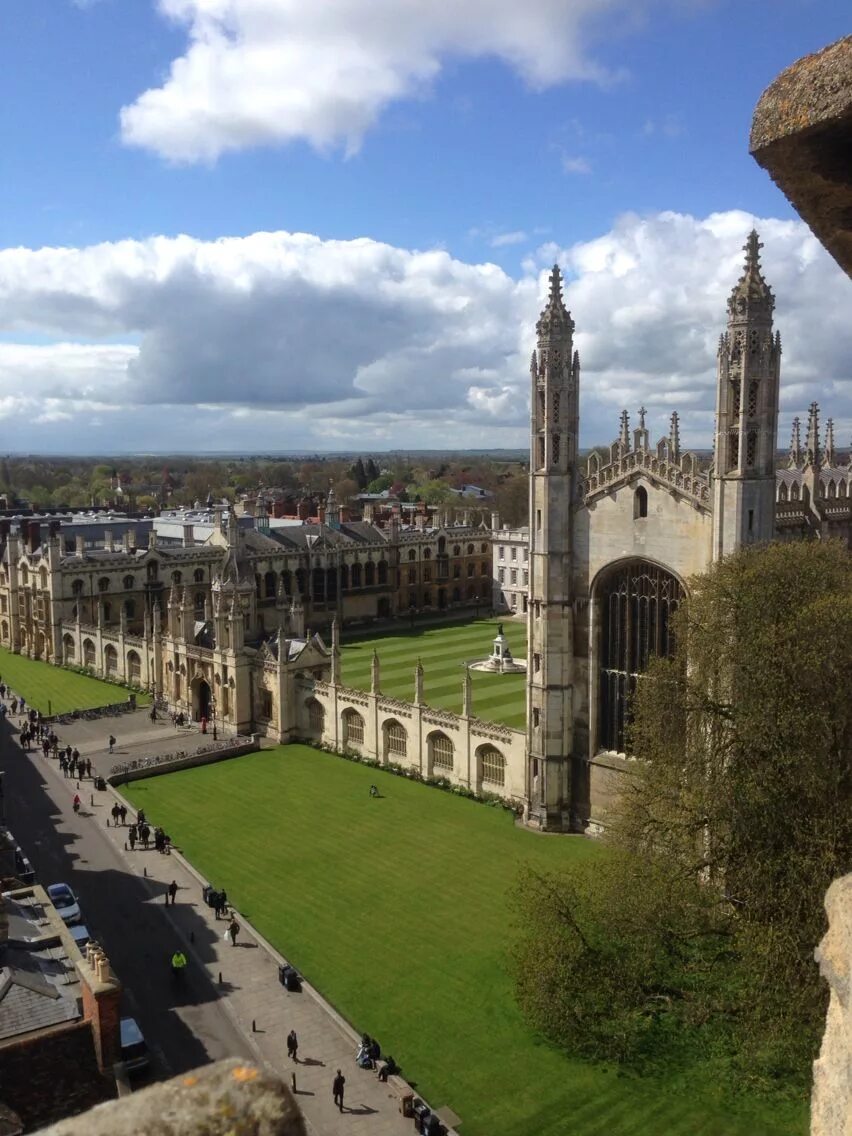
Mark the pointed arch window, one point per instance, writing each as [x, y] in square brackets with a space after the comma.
[640, 503]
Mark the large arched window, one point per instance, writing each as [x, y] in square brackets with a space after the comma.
[68, 651]
[493, 766]
[110, 659]
[88, 653]
[396, 739]
[134, 667]
[441, 753]
[637, 602]
[353, 727]
[316, 716]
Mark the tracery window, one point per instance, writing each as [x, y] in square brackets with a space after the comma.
[353, 727]
[316, 716]
[396, 739]
[493, 766]
[638, 601]
[442, 752]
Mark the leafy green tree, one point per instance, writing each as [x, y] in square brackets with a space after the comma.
[730, 826]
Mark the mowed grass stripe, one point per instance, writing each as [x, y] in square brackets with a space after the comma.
[443, 651]
[54, 690]
[398, 910]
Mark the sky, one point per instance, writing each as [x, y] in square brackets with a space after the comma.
[268, 225]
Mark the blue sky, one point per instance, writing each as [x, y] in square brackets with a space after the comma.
[464, 135]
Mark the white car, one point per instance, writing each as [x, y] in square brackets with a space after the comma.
[65, 902]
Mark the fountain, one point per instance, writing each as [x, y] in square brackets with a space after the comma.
[501, 660]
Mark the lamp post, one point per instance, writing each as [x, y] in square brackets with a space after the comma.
[213, 716]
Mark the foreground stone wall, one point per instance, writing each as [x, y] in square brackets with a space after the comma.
[831, 1103]
[224, 1099]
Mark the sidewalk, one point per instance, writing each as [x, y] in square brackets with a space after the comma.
[247, 977]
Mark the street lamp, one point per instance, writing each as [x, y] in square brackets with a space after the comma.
[213, 716]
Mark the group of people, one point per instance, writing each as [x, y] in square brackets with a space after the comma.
[140, 832]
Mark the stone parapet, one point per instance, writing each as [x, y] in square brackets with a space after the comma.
[215, 1100]
[801, 134]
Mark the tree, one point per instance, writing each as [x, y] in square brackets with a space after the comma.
[737, 813]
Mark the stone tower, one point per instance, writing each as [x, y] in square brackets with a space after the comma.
[748, 374]
[553, 453]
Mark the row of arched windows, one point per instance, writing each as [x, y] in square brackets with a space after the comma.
[441, 751]
[89, 657]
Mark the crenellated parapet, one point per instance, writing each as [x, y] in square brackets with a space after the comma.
[663, 464]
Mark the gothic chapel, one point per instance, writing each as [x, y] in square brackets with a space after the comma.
[613, 543]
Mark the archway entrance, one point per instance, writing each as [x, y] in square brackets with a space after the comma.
[200, 699]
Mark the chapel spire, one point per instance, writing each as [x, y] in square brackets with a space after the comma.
[555, 319]
[751, 298]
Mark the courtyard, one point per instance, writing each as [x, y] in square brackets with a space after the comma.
[398, 910]
[443, 652]
[55, 690]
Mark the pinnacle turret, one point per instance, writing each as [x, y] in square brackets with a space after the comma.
[828, 456]
[674, 438]
[751, 295]
[624, 431]
[812, 455]
[795, 459]
[555, 319]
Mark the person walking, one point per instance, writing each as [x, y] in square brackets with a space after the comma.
[337, 1089]
[178, 964]
[172, 892]
[111, 743]
[131, 836]
[233, 930]
[144, 835]
[292, 1045]
[123, 814]
[116, 812]
[88, 767]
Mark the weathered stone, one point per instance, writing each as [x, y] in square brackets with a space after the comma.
[230, 1098]
[831, 1102]
[802, 135]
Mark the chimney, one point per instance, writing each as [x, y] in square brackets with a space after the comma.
[152, 538]
[108, 545]
[101, 992]
[187, 536]
[368, 512]
[5, 526]
[495, 521]
[34, 535]
[321, 514]
[80, 543]
[303, 511]
[54, 528]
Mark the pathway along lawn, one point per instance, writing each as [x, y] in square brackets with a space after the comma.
[396, 909]
[443, 651]
[54, 690]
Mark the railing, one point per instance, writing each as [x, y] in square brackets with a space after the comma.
[113, 711]
[151, 761]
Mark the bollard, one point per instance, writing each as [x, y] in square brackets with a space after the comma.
[192, 936]
[253, 1026]
[293, 1080]
[92, 799]
[145, 872]
[126, 849]
[220, 978]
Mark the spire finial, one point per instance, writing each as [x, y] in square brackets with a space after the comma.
[674, 438]
[642, 413]
[555, 320]
[812, 456]
[795, 461]
[828, 454]
[624, 432]
[751, 295]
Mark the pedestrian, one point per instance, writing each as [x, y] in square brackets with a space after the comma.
[140, 817]
[232, 931]
[111, 743]
[153, 713]
[23, 704]
[292, 1045]
[221, 903]
[88, 767]
[144, 833]
[14, 705]
[63, 765]
[172, 892]
[131, 836]
[158, 839]
[116, 812]
[123, 814]
[337, 1089]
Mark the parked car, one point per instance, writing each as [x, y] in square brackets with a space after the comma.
[134, 1048]
[80, 935]
[65, 902]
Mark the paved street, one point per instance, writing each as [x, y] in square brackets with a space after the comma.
[117, 906]
[123, 897]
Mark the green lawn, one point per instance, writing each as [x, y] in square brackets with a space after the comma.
[396, 909]
[54, 690]
[443, 650]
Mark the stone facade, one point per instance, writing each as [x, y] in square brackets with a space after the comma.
[614, 544]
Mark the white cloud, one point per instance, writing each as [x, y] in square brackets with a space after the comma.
[501, 240]
[264, 72]
[280, 340]
[576, 164]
